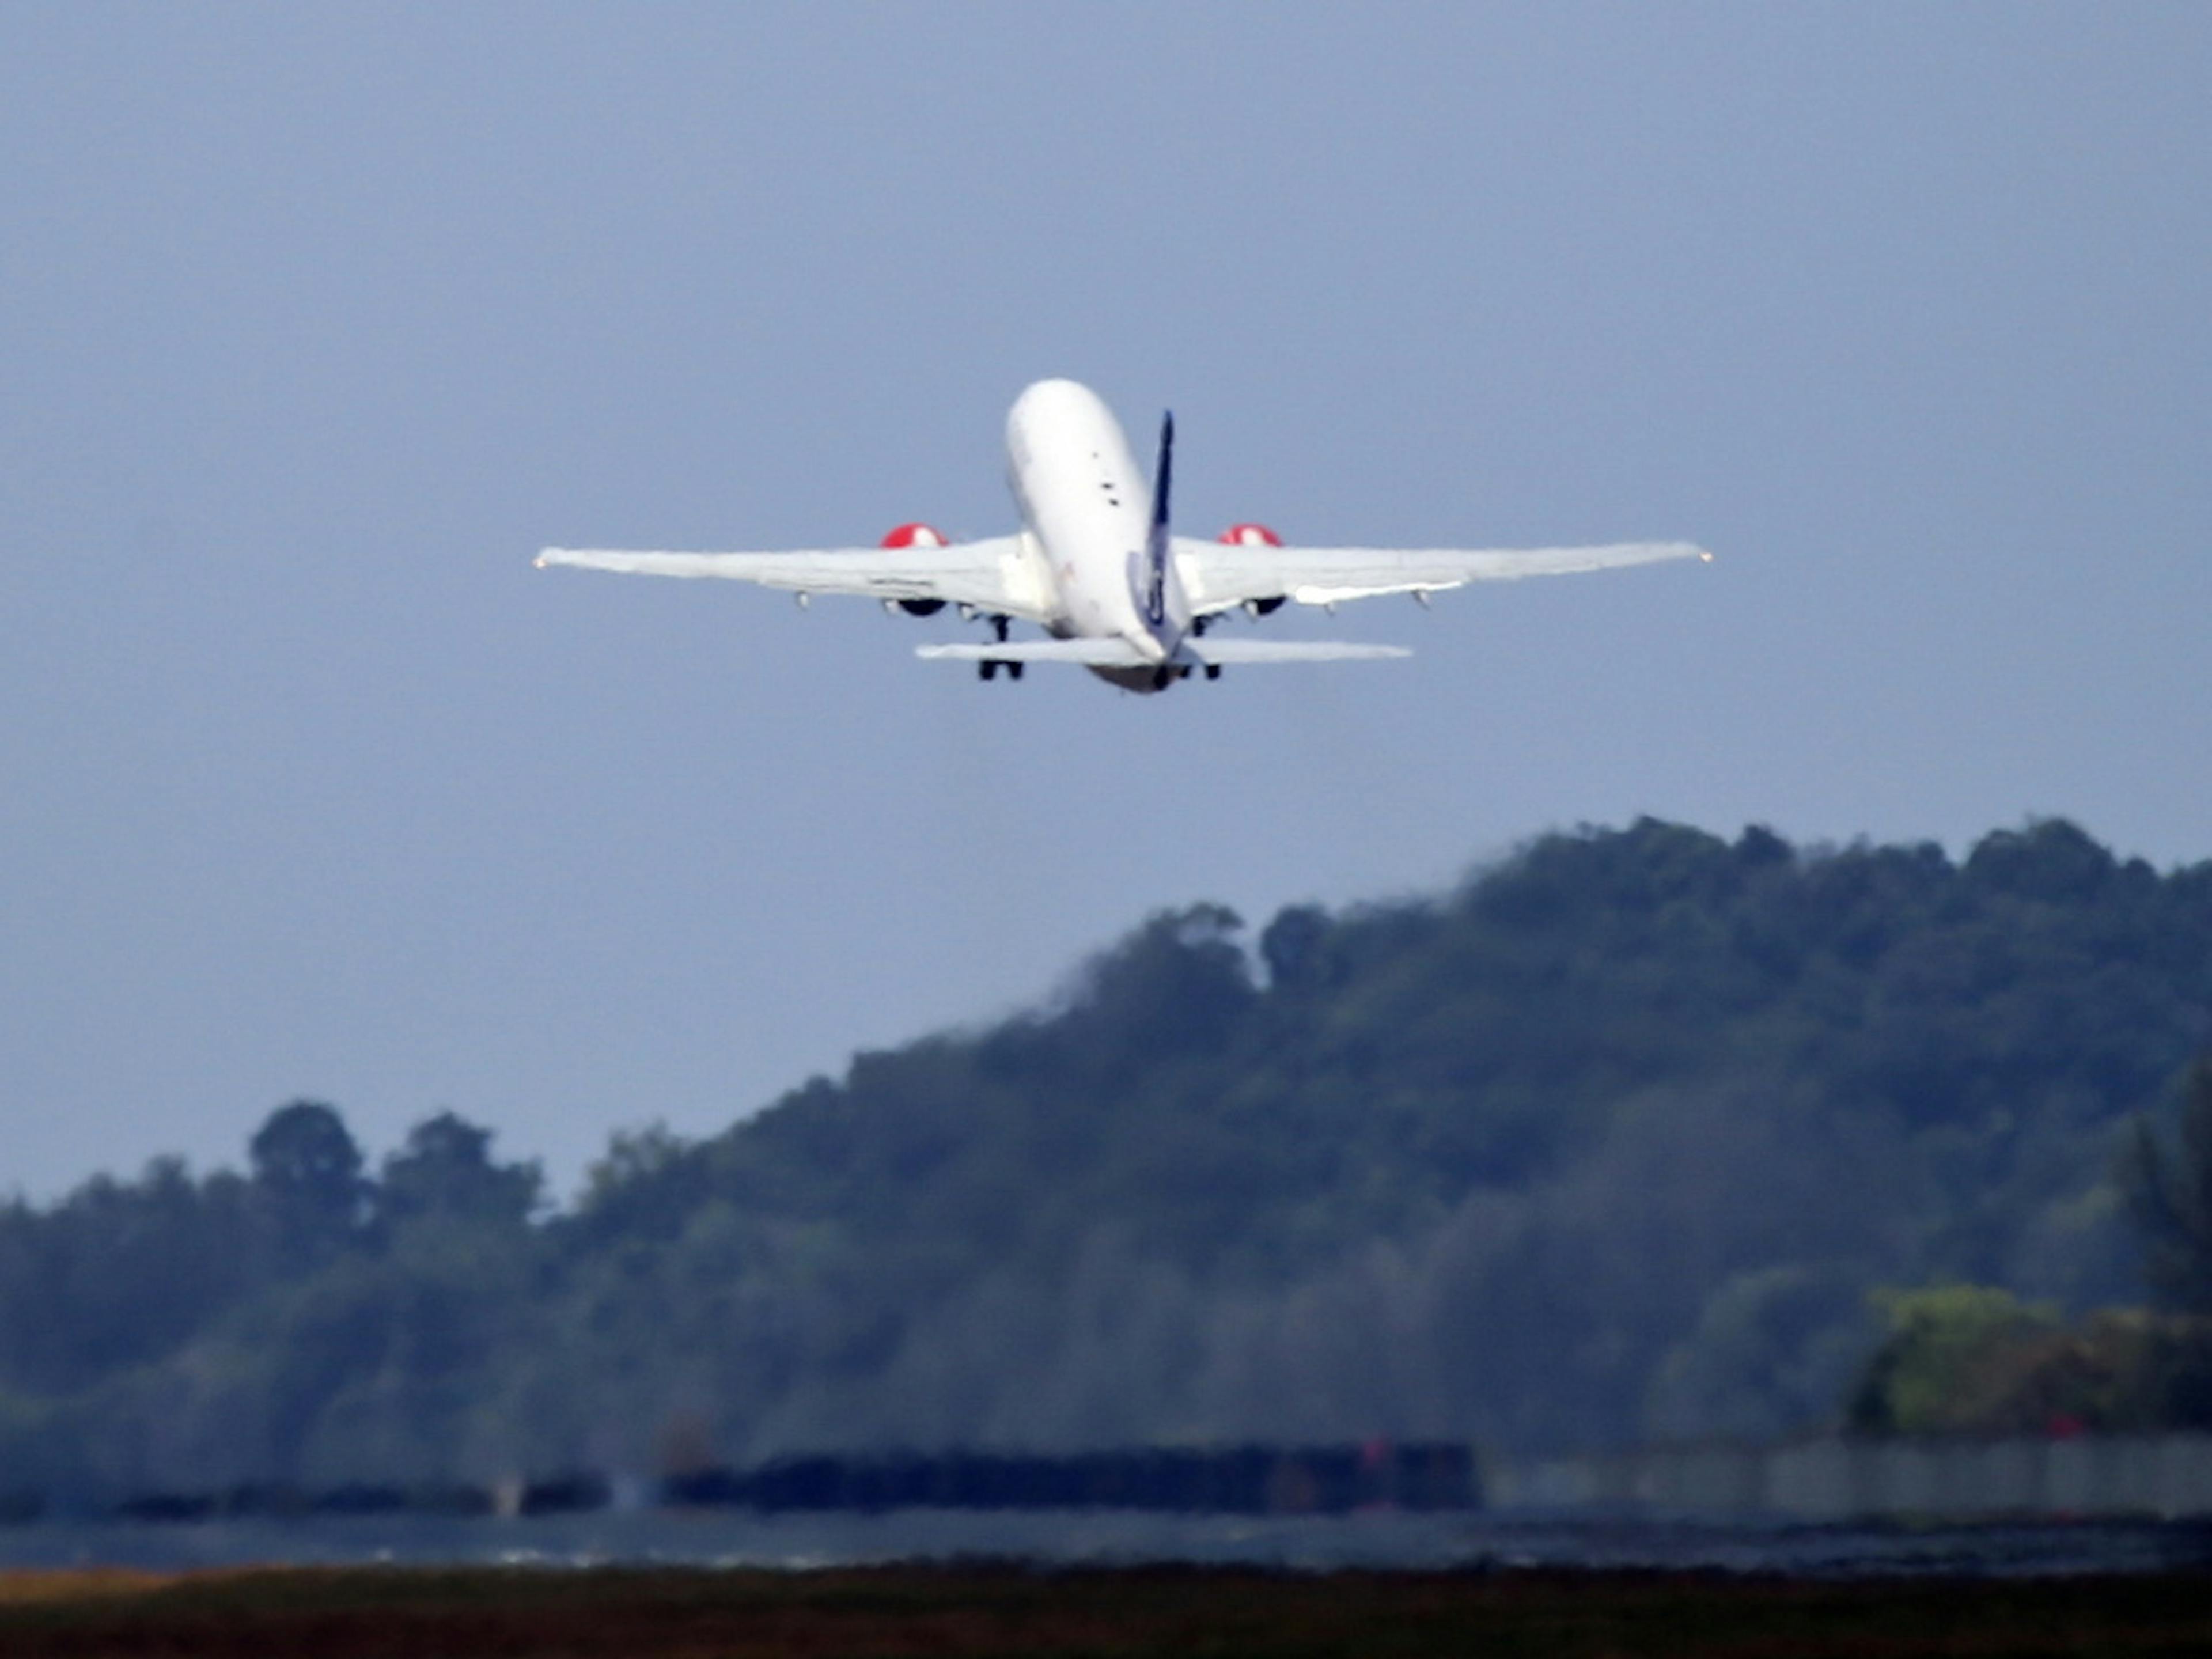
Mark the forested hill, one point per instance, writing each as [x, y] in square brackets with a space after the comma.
[1611, 1141]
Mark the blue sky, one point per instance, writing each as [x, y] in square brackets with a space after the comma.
[318, 321]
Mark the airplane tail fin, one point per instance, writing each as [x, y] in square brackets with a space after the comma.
[1155, 596]
[1161, 476]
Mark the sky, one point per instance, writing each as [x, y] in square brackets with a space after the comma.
[317, 322]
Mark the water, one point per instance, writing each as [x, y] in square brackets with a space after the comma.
[1372, 1539]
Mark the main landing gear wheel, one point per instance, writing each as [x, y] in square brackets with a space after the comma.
[989, 668]
[1213, 671]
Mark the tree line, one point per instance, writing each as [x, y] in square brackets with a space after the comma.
[1616, 1140]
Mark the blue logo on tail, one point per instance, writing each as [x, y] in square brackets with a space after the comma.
[1156, 546]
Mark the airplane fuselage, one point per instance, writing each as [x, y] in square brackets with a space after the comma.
[1087, 506]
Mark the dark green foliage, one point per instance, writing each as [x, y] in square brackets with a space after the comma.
[119, 1273]
[2172, 1191]
[1968, 1359]
[1953, 1356]
[304, 1319]
[1610, 1142]
[307, 1179]
[445, 1174]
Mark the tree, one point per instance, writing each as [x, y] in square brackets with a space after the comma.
[307, 1178]
[2171, 1189]
[1611, 1141]
[1954, 1354]
[446, 1171]
[2050, 859]
[1292, 947]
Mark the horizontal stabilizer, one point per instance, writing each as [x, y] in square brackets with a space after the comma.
[1222, 653]
[1088, 653]
[1120, 653]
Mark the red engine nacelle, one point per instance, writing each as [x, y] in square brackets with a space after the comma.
[1255, 535]
[1250, 535]
[918, 535]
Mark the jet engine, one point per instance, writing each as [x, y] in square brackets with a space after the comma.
[917, 535]
[1255, 535]
[1240, 535]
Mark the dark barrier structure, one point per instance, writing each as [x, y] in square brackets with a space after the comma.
[1191, 1481]
[264, 1500]
[1238, 1481]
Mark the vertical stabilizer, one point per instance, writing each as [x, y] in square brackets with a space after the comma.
[1156, 543]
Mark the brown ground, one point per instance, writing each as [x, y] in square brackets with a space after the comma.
[77, 1584]
[353, 1613]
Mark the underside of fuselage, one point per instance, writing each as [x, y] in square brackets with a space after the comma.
[1140, 679]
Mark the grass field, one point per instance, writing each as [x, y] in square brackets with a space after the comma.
[516, 1614]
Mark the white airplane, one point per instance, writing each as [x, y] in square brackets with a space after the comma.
[1095, 566]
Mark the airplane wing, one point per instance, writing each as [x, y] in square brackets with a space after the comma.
[991, 574]
[1219, 575]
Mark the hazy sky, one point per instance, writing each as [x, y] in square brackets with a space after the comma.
[316, 322]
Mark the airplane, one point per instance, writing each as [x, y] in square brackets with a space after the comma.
[1094, 564]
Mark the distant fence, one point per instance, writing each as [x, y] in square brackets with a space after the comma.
[1243, 1479]
[2162, 1476]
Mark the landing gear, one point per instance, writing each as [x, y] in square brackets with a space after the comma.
[1161, 676]
[1213, 671]
[989, 668]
